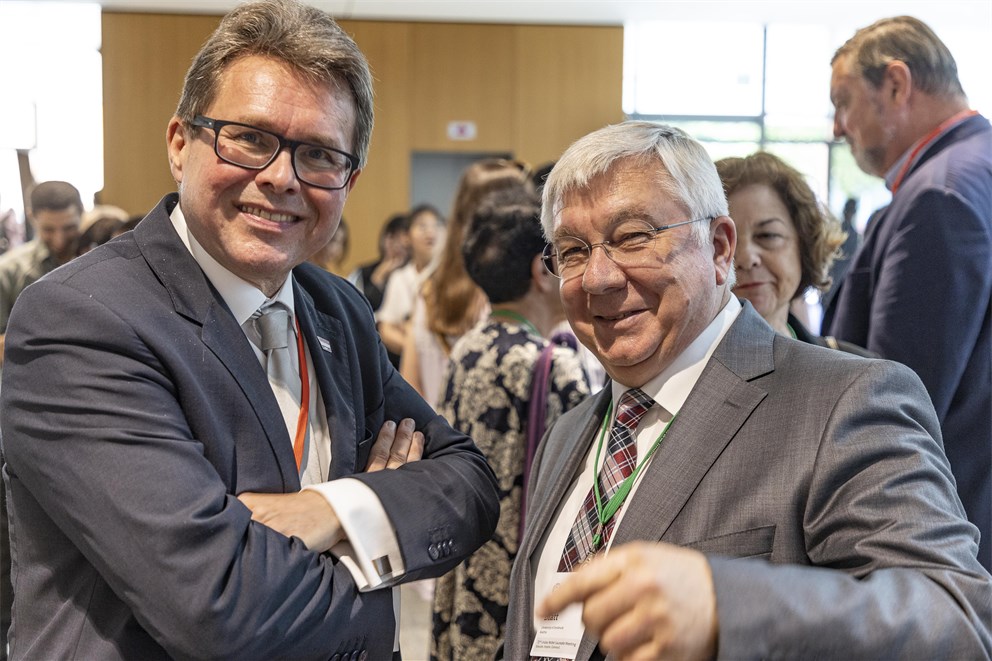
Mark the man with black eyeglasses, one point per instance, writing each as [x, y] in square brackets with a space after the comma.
[167, 395]
[734, 493]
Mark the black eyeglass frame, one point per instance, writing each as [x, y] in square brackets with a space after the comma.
[550, 252]
[202, 121]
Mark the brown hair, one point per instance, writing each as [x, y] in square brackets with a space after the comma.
[820, 234]
[453, 301]
[303, 37]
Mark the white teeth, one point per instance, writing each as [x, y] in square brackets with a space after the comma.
[274, 217]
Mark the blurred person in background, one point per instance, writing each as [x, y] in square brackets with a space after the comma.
[394, 252]
[56, 211]
[100, 224]
[449, 303]
[786, 241]
[920, 289]
[426, 232]
[488, 393]
[331, 257]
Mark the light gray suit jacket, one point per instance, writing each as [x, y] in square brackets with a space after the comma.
[816, 483]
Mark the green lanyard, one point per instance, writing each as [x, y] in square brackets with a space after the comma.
[517, 317]
[605, 513]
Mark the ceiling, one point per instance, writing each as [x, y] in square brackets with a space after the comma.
[973, 13]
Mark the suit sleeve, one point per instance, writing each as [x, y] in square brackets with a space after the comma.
[936, 270]
[894, 572]
[94, 430]
[443, 507]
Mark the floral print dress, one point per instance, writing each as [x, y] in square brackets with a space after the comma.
[487, 395]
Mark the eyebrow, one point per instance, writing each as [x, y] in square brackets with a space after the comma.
[310, 139]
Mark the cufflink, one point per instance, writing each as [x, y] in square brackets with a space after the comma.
[382, 566]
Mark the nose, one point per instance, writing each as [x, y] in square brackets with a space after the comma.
[746, 257]
[602, 274]
[279, 174]
[838, 126]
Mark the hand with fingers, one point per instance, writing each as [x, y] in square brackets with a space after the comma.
[308, 515]
[644, 601]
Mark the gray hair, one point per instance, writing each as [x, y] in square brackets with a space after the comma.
[687, 172]
[303, 37]
[910, 41]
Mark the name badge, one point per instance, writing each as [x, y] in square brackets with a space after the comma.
[559, 635]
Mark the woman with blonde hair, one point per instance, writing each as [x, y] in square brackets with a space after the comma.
[449, 302]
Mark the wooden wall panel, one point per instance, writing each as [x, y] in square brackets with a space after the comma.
[145, 57]
[384, 185]
[568, 83]
[462, 72]
[531, 90]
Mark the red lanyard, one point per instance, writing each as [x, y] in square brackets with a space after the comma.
[304, 418]
[930, 137]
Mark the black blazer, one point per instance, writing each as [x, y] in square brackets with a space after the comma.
[134, 410]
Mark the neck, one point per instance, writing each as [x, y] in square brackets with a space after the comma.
[543, 319]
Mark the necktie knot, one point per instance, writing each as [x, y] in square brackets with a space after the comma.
[633, 405]
[272, 324]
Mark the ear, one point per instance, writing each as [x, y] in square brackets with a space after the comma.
[177, 143]
[723, 234]
[351, 182]
[897, 82]
[540, 278]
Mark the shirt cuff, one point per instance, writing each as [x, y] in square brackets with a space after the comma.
[370, 549]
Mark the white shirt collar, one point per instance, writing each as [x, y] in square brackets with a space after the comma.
[671, 387]
[242, 297]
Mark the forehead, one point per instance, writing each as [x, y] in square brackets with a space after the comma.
[842, 78]
[629, 191]
[57, 217]
[271, 94]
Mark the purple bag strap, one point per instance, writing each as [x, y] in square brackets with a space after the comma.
[537, 410]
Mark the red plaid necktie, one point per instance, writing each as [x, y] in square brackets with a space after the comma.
[620, 461]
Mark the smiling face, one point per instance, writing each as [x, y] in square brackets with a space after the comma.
[259, 224]
[767, 256]
[860, 117]
[637, 320]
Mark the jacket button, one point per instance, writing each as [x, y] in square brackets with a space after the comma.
[432, 551]
[364, 656]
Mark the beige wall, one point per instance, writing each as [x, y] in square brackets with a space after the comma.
[531, 90]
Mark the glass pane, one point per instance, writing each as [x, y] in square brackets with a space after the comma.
[810, 158]
[719, 131]
[58, 85]
[798, 127]
[683, 68]
[798, 74]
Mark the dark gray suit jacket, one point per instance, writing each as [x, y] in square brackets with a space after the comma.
[134, 410]
[816, 484]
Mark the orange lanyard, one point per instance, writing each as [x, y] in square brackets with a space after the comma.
[930, 137]
[304, 419]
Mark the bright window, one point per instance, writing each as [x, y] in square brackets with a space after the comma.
[52, 83]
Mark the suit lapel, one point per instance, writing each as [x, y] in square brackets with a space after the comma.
[717, 407]
[561, 462]
[326, 341]
[195, 299]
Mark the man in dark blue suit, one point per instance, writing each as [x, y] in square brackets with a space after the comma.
[155, 470]
[920, 289]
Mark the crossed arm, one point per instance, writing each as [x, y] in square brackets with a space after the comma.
[307, 514]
